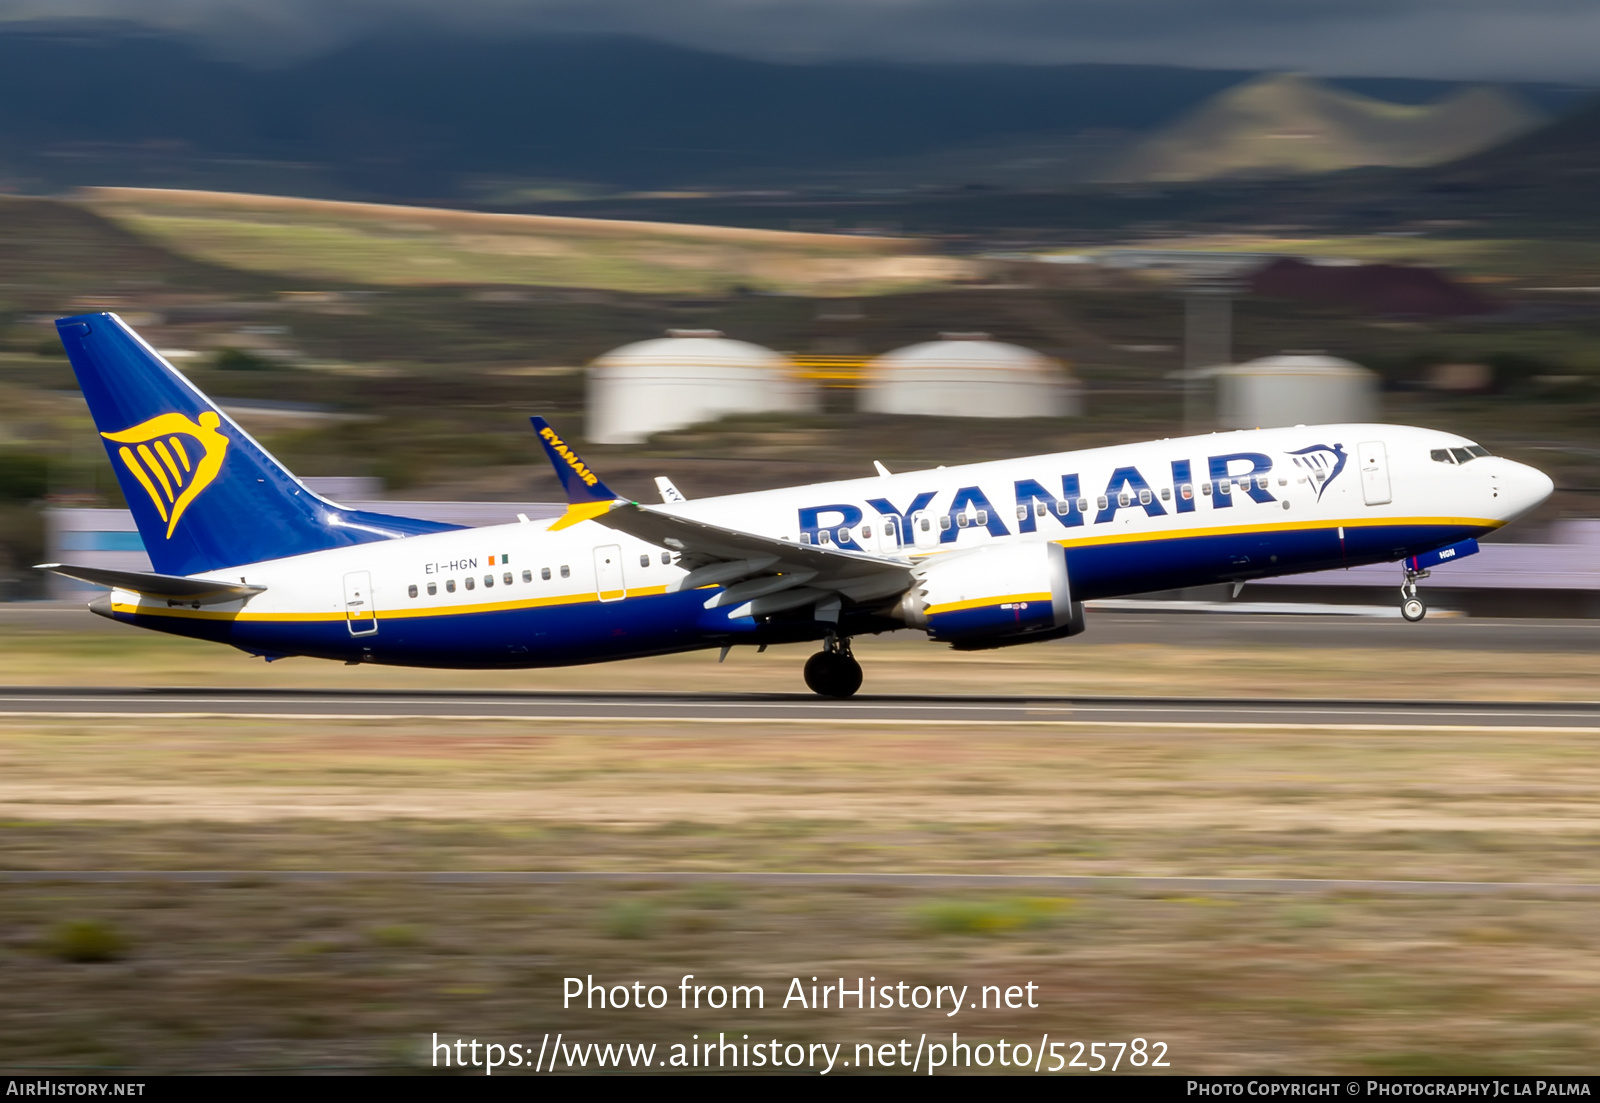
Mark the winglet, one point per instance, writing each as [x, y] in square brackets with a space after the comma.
[581, 484]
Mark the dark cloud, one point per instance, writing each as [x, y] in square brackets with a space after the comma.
[1552, 40]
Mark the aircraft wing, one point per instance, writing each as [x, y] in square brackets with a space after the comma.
[189, 591]
[761, 575]
[777, 574]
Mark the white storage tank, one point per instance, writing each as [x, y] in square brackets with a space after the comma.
[969, 375]
[1294, 390]
[686, 377]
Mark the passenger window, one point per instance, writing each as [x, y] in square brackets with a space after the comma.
[805, 538]
[507, 579]
[824, 537]
[1083, 505]
[1261, 482]
[1145, 497]
[927, 526]
[1166, 494]
[1100, 502]
[411, 590]
[1062, 508]
[527, 576]
[450, 586]
[544, 573]
[488, 581]
[844, 536]
[1124, 498]
[983, 517]
[1022, 513]
[666, 558]
[469, 582]
[1187, 491]
[963, 521]
[433, 588]
[644, 560]
[1205, 488]
[566, 571]
[944, 522]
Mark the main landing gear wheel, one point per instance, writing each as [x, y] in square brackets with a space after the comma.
[833, 671]
[1413, 609]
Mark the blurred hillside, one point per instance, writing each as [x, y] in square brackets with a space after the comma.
[508, 123]
[1285, 124]
[382, 244]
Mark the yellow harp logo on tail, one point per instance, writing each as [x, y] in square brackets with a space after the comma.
[173, 458]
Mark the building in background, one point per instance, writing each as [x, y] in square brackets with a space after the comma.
[969, 375]
[1390, 290]
[687, 377]
[1294, 390]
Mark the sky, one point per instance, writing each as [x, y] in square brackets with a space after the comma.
[1539, 40]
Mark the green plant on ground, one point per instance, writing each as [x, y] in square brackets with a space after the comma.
[396, 935]
[989, 916]
[631, 919]
[85, 940]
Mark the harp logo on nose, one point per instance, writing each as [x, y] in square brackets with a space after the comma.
[1323, 462]
[173, 459]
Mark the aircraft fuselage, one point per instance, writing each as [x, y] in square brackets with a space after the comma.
[1132, 519]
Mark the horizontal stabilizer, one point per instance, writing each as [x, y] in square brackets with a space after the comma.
[166, 587]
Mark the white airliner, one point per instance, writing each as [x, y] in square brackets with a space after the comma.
[978, 556]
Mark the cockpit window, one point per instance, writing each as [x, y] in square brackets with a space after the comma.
[1459, 455]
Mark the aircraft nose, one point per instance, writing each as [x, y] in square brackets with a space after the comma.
[1523, 487]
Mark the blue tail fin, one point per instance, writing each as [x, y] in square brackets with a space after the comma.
[204, 494]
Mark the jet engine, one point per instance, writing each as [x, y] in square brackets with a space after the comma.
[993, 597]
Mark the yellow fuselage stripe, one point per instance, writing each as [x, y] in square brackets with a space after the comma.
[401, 613]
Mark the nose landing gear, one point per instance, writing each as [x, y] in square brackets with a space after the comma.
[833, 671]
[1411, 606]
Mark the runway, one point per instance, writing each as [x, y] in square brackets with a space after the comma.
[802, 709]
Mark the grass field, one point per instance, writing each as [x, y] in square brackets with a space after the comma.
[251, 973]
[386, 246]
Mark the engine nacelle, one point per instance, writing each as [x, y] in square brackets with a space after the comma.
[990, 597]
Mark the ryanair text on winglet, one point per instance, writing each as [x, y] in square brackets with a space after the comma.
[560, 446]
